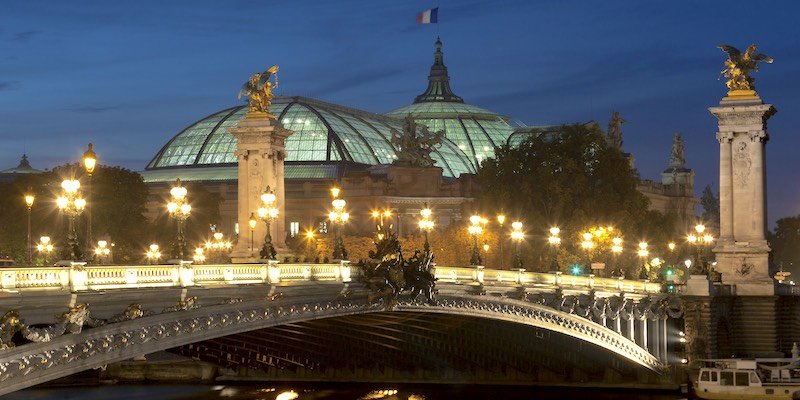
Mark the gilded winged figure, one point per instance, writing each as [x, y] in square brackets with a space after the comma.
[738, 66]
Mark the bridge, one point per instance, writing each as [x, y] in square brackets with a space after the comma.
[58, 321]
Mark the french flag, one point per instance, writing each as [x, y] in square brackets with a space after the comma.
[430, 16]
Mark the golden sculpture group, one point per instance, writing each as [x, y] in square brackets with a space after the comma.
[738, 67]
[258, 91]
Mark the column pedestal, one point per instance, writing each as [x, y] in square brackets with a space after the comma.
[742, 251]
[260, 152]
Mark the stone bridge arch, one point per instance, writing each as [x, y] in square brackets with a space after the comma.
[35, 363]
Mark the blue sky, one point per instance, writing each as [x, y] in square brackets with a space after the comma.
[129, 75]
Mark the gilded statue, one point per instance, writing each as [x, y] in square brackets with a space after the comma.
[415, 144]
[738, 66]
[258, 91]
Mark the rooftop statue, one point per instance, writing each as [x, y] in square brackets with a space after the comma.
[677, 158]
[738, 66]
[615, 130]
[259, 91]
[414, 146]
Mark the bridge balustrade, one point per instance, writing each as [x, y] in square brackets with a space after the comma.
[80, 277]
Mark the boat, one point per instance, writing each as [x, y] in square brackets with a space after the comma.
[744, 379]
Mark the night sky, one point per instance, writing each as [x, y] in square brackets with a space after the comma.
[129, 76]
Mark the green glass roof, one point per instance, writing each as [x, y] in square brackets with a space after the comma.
[322, 132]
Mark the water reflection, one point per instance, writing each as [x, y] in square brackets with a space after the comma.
[329, 391]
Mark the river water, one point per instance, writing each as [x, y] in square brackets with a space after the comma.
[333, 392]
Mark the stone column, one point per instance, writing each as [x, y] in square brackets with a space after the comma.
[643, 334]
[631, 330]
[260, 152]
[725, 188]
[742, 251]
[663, 340]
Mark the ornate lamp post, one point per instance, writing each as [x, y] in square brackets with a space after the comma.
[616, 249]
[218, 247]
[102, 252]
[425, 225]
[587, 244]
[267, 212]
[380, 215]
[72, 204]
[699, 239]
[198, 256]
[89, 163]
[475, 229]
[643, 253]
[252, 223]
[501, 220]
[517, 236]
[179, 209]
[29, 198]
[338, 217]
[45, 247]
[153, 254]
[554, 241]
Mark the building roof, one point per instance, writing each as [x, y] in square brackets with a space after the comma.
[24, 167]
[323, 132]
[476, 131]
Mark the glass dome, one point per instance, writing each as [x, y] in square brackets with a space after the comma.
[322, 132]
[474, 130]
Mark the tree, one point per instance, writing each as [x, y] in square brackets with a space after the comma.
[116, 196]
[575, 180]
[710, 203]
[785, 243]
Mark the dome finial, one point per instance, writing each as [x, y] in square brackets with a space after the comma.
[438, 80]
[24, 163]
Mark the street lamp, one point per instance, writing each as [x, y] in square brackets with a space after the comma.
[153, 254]
[517, 236]
[179, 209]
[72, 204]
[45, 247]
[102, 251]
[643, 253]
[218, 247]
[252, 223]
[267, 212]
[501, 220]
[29, 198]
[699, 239]
[380, 215]
[616, 249]
[338, 217]
[89, 163]
[554, 240]
[425, 225]
[198, 256]
[475, 229]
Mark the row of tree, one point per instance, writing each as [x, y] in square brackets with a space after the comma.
[117, 199]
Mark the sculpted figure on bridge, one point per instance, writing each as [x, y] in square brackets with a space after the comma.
[387, 274]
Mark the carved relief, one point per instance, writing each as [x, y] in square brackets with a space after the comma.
[742, 163]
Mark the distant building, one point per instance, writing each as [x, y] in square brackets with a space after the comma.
[24, 168]
[337, 145]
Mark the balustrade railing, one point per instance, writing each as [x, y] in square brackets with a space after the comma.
[78, 277]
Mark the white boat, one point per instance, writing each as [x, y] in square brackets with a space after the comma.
[743, 379]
